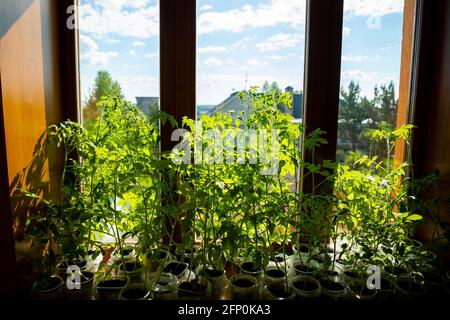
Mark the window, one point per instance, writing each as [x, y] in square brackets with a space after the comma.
[119, 54]
[241, 44]
[371, 59]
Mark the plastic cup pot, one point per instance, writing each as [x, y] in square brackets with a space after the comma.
[164, 286]
[135, 291]
[218, 281]
[51, 290]
[274, 277]
[306, 287]
[178, 269]
[109, 288]
[358, 290]
[334, 289]
[278, 292]
[305, 269]
[197, 289]
[408, 288]
[85, 289]
[243, 287]
[132, 269]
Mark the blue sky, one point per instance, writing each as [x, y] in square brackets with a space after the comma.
[238, 40]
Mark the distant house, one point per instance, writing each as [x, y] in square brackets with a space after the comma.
[148, 105]
[233, 105]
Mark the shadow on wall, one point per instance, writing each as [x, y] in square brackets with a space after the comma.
[33, 178]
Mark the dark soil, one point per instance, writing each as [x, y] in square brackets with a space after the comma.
[275, 273]
[175, 268]
[131, 266]
[303, 269]
[331, 285]
[303, 249]
[305, 285]
[113, 283]
[243, 283]
[160, 256]
[53, 283]
[134, 294]
[213, 273]
[251, 267]
[189, 289]
[319, 259]
[279, 293]
[332, 273]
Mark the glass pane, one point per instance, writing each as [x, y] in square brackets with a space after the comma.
[244, 43]
[371, 57]
[119, 54]
[119, 57]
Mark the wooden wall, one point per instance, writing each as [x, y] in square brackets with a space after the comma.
[431, 141]
[31, 99]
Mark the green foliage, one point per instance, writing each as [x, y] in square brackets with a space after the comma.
[104, 86]
[242, 200]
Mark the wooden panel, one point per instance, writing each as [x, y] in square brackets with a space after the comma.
[322, 75]
[431, 139]
[403, 114]
[178, 61]
[8, 264]
[177, 72]
[32, 86]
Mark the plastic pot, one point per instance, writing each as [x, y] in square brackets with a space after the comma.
[109, 288]
[244, 287]
[135, 291]
[86, 288]
[53, 290]
[306, 287]
[278, 292]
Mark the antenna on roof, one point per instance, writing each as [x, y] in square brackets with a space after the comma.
[246, 80]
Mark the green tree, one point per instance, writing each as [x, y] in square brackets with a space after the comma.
[386, 104]
[356, 115]
[104, 85]
[271, 88]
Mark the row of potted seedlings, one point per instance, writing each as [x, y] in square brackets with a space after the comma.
[293, 274]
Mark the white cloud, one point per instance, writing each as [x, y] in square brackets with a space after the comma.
[371, 8]
[276, 57]
[151, 55]
[278, 41]
[351, 58]
[253, 62]
[91, 55]
[242, 43]
[139, 86]
[210, 49]
[346, 31]
[138, 44]
[206, 7]
[213, 62]
[132, 53]
[368, 80]
[277, 12]
[113, 41]
[133, 18]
